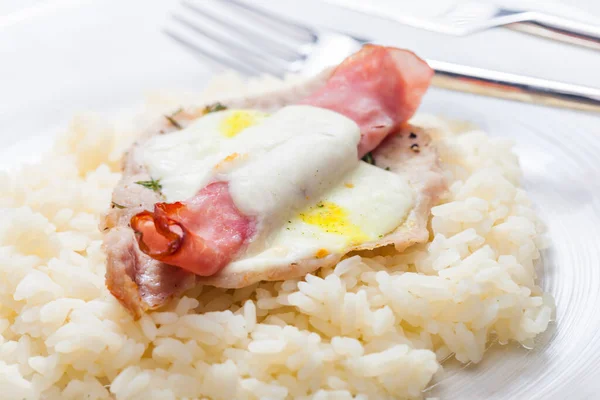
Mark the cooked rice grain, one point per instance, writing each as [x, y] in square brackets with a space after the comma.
[370, 328]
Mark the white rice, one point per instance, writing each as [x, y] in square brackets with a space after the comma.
[369, 328]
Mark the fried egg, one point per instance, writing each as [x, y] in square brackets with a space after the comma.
[296, 171]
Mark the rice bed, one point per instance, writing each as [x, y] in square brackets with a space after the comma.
[375, 326]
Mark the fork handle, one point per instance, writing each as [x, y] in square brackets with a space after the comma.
[514, 87]
[559, 28]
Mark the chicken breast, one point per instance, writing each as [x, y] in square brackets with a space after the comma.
[209, 230]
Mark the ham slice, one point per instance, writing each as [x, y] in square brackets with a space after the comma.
[379, 88]
[200, 235]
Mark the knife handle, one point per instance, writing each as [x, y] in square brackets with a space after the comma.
[514, 87]
[559, 28]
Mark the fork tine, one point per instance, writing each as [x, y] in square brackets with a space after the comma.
[259, 62]
[212, 56]
[285, 51]
[294, 29]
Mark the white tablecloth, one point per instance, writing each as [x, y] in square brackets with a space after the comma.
[51, 49]
[499, 49]
[421, 8]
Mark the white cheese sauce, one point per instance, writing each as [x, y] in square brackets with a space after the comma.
[296, 171]
[364, 206]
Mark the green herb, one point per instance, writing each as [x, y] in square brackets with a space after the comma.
[320, 205]
[173, 122]
[368, 158]
[151, 184]
[171, 118]
[214, 107]
[387, 168]
[117, 205]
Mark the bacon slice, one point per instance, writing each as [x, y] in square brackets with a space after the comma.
[379, 88]
[200, 235]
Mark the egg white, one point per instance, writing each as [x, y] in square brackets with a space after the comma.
[296, 171]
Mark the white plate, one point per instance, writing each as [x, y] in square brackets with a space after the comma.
[559, 155]
[105, 55]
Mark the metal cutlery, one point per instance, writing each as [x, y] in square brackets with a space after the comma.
[263, 42]
[474, 16]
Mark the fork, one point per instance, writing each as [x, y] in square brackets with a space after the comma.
[263, 42]
[474, 16]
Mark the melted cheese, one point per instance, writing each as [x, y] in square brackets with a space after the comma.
[296, 171]
[377, 204]
[297, 147]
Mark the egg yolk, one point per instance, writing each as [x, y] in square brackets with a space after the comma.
[334, 219]
[322, 253]
[237, 121]
[229, 159]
